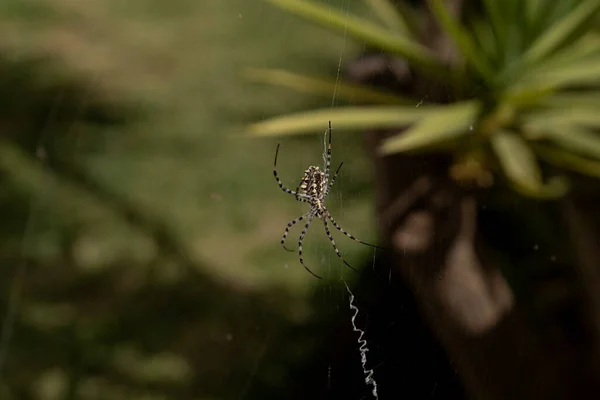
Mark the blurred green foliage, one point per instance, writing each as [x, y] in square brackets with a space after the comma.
[496, 93]
[139, 249]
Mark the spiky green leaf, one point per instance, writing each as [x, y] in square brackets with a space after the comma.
[521, 168]
[344, 118]
[590, 99]
[563, 159]
[367, 32]
[555, 187]
[498, 23]
[389, 14]
[528, 96]
[443, 124]
[556, 35]
[552, 11]
[574, 116]
[516, 159]
[462, 39]
[575, 75]
[484, 35]
[322, 86]
[585, 49]
[533, 11]
[574, 138]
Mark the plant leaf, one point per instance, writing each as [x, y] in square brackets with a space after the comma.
[390, 15]
[367, 32]
[516, 159]
[581, 50]
[581, 140]
[462, 39]
[574, 138]
[445, 123]
[533, 10]
[529, 96]
[557, 33]
[563, 159]
[484, 35]
[580, 74]
[322, 86]
[573, 99]
[343, 118]
[551, 12]
[497, 22]
[555, 187]
[538, 16]
[581, 116]
[412, 17]
[521, 168]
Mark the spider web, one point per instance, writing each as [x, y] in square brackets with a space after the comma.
[362, 343]
[16, 296]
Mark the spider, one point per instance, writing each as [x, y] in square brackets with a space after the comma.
[314, 189]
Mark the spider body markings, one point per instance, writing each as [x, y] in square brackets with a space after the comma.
[314, 189]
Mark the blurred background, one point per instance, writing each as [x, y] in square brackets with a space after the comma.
[140, 230]
[139, 250]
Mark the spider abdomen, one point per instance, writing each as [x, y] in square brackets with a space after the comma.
[313, 182]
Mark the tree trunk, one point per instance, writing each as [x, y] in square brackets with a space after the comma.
[431, 226]
[543, 343]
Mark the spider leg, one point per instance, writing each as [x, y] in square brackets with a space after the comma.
[330, 184]
[337, 251]
[328, 160]
[298, 198]
[301, 195]
[287, 229]
[300, 245]
[339, 228]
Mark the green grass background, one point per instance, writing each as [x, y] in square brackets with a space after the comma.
[185, 160]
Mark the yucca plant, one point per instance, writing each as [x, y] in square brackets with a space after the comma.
[524, 91]
[514, 97]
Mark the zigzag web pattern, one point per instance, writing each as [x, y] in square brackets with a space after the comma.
[362, 347]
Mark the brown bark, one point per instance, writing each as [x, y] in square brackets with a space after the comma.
[430, 224]
[582, 222]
